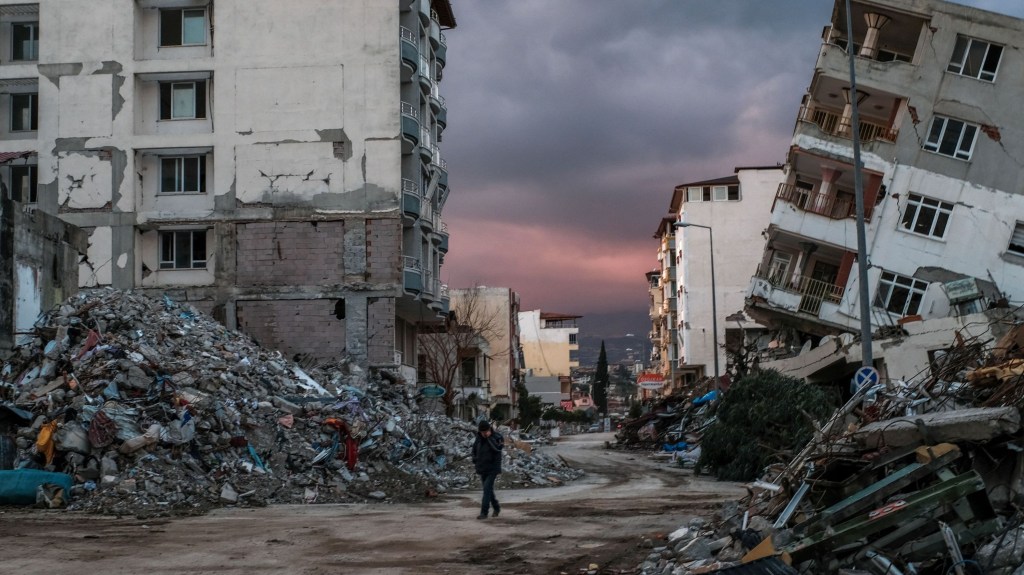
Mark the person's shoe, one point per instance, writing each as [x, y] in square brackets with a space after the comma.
[497, 510]
[484, 516]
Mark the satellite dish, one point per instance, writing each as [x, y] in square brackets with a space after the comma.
[806, 347]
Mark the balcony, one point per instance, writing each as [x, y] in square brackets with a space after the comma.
[833, 124]
[435, 30]
[427, 216]
[410, 127]
[442, 238]
[435, 97]
[799, 294]
[828, 205]
[426, 153]
[444, 301]
[441, 50]
[410, 53]
[411, 199]
[425, 12]
[412, 275]
[442, 113]
[425, 76]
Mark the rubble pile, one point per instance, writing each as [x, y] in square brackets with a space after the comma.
[152, 407]
[923, 476]
[673, 426]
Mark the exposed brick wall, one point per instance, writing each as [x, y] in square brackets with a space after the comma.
[380, 327]
[384, 250]
[307, 327]
[290, 253]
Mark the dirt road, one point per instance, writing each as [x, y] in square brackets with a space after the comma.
[601, 518]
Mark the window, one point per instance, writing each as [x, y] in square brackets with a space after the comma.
[182, 250]
[183, 175]
[927, 216]
[23, 184]
[698, 194]
[713, 193]
[721, 193]
[1017, 240]
[183, 100]
[900, 294]
[24, 113]
[572, 339]
[25, 41]
[951, 137]
[975, 58]
[183, 27]
[778, 268]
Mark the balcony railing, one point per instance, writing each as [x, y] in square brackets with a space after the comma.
[829, 206]
[812, 291]
[410, 111]
[832, 123]
[411, 263]
[407, 35]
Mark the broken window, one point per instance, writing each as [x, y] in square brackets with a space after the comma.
[24, 114]
[778, 268]
[183, 250]
[23, 184]
[900, 294]
[25, 41]
[1017, 240]
[183, 27]
[183, 175]
[953, 138]
[927, 216]
[183, 100]
[975, 58]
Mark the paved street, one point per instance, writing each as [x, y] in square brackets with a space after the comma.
[624, 497]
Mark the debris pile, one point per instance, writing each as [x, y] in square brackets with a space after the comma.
[672, 426]
[924, 476]
[152, 408]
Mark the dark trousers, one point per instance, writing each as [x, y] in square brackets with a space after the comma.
[488, 500]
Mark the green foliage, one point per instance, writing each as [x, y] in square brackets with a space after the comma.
[529, 406]
[575, 416]
[759, 421]
[601, 382]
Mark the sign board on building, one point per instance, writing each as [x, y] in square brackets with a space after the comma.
[650, 381]
[962, 290]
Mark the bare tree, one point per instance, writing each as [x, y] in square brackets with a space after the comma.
[467, 332]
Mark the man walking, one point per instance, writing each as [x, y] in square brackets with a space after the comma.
[487, 461]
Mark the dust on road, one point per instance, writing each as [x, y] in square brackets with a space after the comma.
[601, 518]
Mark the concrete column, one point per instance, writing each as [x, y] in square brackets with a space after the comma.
[847, 119]
[869, 48]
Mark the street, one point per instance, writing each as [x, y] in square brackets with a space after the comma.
[624, 497]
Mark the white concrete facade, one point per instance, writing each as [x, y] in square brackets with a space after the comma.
[548, 342]
[498, 314]
[165, 128]
[737, 210]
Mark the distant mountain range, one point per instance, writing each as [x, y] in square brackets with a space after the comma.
[624, 335]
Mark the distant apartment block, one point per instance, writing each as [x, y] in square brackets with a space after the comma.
[550, 349]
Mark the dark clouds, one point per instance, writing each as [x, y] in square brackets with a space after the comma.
[570, 122]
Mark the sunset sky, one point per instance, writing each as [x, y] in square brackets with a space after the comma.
[571, 121]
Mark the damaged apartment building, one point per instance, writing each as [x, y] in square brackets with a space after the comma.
[274, 163]
[941, 139]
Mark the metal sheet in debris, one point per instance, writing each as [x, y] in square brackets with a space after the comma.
[766, 566]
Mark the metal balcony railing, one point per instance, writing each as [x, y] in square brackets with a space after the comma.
[443, 40]
[407, 35]
[410, 187]
[828, 205]
[411, 263]
[410, 110]
[425, 68]
[813, 292]
[834, 124]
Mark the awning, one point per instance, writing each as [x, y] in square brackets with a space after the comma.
[8, 156]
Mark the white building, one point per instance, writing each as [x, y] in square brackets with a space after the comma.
[275, 163]
[731, 213]
[550, 351]
[942, 137]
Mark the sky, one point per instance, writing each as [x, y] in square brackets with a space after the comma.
[571, 121]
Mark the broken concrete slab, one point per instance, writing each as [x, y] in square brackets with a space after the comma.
[973, 424]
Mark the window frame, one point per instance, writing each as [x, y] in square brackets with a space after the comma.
[34, 40]
[199, 107]
[181, 14]
[33, 106]
[32, 171]
[918, 204]
[934, 141]
[888, 286]
[1017, 235]
[171, 263]
[180, 175]
[964, 45]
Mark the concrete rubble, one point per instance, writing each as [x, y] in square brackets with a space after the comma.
[923, 476]
[153, 408]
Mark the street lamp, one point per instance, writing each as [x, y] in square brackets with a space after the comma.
[714, 306]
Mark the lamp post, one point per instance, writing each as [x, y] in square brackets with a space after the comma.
[714, 303]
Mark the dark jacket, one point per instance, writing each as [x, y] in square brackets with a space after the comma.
[487, 453]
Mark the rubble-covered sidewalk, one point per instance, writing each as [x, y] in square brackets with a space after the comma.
[150, 407]
[922, 477]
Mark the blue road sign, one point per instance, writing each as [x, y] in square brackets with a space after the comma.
[866, 376]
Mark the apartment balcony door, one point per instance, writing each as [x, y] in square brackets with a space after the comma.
[817, 287]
